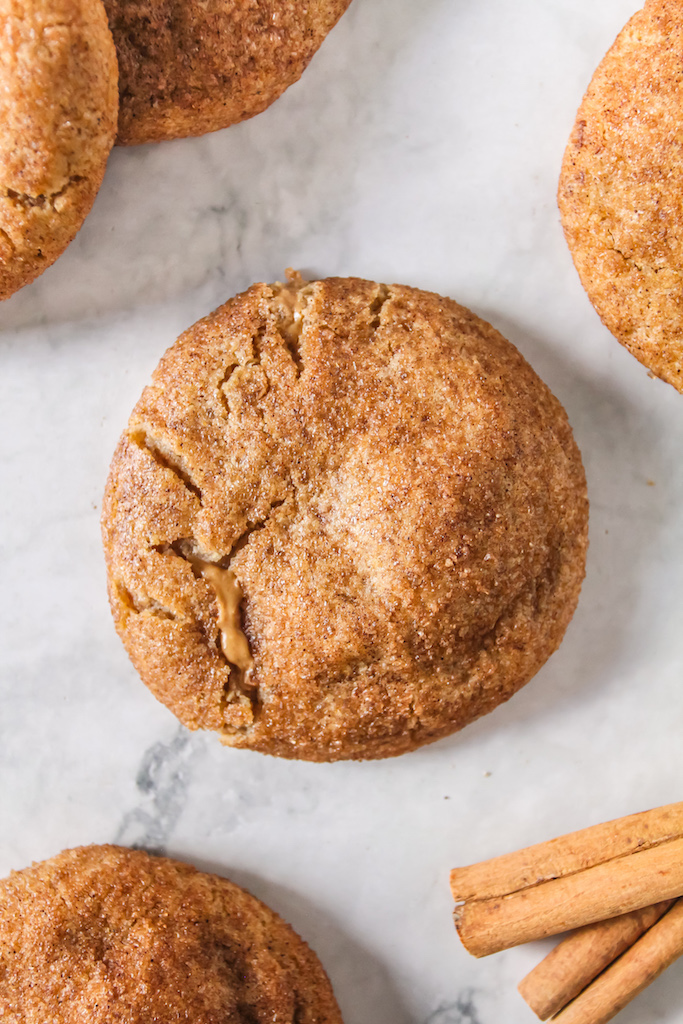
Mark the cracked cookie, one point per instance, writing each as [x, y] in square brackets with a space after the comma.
[58, 111]
[187, 68]
[621, 189]
[345, 520]
[102, 933]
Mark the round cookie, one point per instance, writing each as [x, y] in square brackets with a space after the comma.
[103, 933]
[345, 520]
[621, 189]
[192, 66]
[58, 114]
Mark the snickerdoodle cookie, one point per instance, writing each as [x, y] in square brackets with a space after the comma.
[621, 189]
[345, 520]
[58, 113]
[193, 66]
[103, 934]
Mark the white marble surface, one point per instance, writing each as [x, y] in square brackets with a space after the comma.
[423, 146]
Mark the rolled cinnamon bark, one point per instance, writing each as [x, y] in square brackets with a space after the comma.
[576, 961]
[562, 904]
[567, 854]
[630, 974]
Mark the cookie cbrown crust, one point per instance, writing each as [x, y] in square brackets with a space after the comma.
[58, 114]
[398, 495]
[621, 189]
[190, 67]
[103, 934]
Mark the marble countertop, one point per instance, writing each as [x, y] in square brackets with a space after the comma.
[423, 146]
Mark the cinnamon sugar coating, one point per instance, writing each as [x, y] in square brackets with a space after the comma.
[192, 66]
[58, 113]
[621, 189]
[103, 934]
[398, 495]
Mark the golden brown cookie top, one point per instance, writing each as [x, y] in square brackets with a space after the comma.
[58, 113]
[103, 934]
[621, 189]
[189, 67]
[375, 488]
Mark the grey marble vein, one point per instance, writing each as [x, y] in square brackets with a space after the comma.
[462, 1011]
[162, 781]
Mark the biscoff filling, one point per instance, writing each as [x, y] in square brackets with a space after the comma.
[229, 597]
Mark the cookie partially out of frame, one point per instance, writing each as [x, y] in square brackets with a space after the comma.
[344, 520]
[192, 66]
[621, 189]
[103, 934]
[58, 115]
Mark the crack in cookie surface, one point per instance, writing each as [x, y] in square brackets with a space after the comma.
[166, 458]
[289, 307]
[44, 200]
[227, 591]
[142, 604]
[216, 570]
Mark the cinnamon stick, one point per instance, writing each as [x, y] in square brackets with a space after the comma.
[567, 854]
[562, 904]
[630, 974]
[576, 961]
